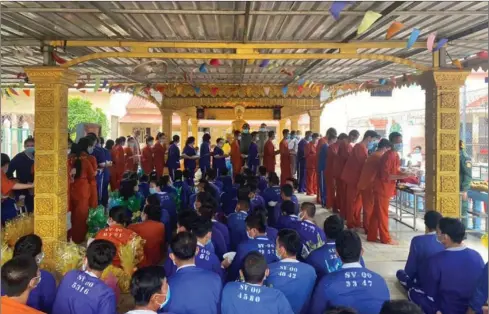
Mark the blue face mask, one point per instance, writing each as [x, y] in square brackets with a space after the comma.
[245, 131]
[29, 150]
[90, 150]
[309, 139]
[152, 191]
[288, 137]
[371, 145]
[167, 299]
[397, 147]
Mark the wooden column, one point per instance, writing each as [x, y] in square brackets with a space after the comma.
[183, 128]
[315, 120]
[195, 130]
[294, 123]
[51, 179]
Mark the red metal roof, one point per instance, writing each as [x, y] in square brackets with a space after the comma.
[478, 102]
[138, 102]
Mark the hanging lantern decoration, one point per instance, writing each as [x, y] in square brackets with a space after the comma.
[393, 29]
[266, 90]
[203, 68]
[369, 18]
[413, 37]
[285, 89]
[264, 63]
[430, 41]
[440, 44]
[215, 62]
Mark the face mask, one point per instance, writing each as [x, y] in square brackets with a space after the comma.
[108, 222]
[288, 137]
[309, 139]
[278, 255]
[397, 147]
[239, 138]
[90, 150]
[29, 150]
[417, 151]
[144, 217]
[136, 188]
[150, 143]
[263, 130]
[371, 146]
[167, 299]
[208, 242]
[249, 236]
[301, 216]
[39, 258]
[84, 267]
[298, 137]
[245, 131]
[152, 191]
[257, 139]
[195, 205]
[69, 151]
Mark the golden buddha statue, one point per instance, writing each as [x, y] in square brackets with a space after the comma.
[238, 123]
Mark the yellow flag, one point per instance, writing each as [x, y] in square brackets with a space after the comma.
[368, 19]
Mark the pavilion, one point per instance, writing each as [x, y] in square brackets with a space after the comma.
[265, 56]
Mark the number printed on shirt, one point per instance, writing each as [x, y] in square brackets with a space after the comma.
[288, 271]
[250, 293]
[82, 287]
[351, 282]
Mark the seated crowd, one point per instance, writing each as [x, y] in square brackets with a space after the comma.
[236, 245]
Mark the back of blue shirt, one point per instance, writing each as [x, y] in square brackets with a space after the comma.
[312, 237]
[223, 229]
[237, 228]
[82, 293]
[286, 222]
[173, 161]
[452, 276]
[218, 163]
[421, 249]
[272, 234]
[244, 298]
[296, 281]
[229, 200]
[189, 163]
[194, 291]
[479, 297]
[262, 184]
[355, 287]
[205, 155]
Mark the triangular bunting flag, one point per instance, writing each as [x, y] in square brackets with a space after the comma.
[27, 92]
[393, 29]
[430, 41]
[413, 37]
[12, 91]
[368, 19]
[458, 64]
[440, 44]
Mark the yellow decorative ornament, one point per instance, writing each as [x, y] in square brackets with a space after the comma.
[17, 228]
[70, 256]
[131, 254]
[7, 253]
[123, 279]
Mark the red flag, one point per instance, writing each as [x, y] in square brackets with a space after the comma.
[27, 92]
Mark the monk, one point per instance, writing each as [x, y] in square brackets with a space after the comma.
[351, 175]
[269, 153]
[284, 158]
[344, 150]
[147, 162]
[82, 177]
[159, 151]
[389, 172]
[367, 178]
[236, 159]
[129, 155]
[332, 154]
[311, 170]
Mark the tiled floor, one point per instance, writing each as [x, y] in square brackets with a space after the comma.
[387, 259]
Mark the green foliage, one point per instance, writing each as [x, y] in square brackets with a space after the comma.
[80, 111]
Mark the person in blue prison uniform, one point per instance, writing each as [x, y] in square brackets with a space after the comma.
[214, 183]
[82, 291]
[166, 185]
[312, 236]
[451, 275]
[205, 186]
[286, 194]
[292, 182]
[421, 249]
[23, 166]
[219, 158]
[253, 159]
[167, 205]
[217, 240]
[201, 228]
[322, 152]
[270, 232]
[173, 160]
[99, 154]
[190, 156]
[183, 190]
[106, 173]
[480, 295]
[236, 223]
[301, 162]
[288, 215]
[42, 296]
[324, 259]
[257, 241]
[229, 198]
[193, 289]
[399, 307]
[353, 285]
[262, 179]
[271, 195]
[144, 185]
[149, 288]
[295, 279]
[251, 296]
[256, 200]
[205, 154]
[208, 211]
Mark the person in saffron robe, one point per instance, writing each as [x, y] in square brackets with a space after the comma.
[344, 150]
[253, 159]
[332, 154]
[82, 177]
[152, 230]
[9, 211]
[205, 154]
[367, 178]
[385, 187]
[117, 232]
[190, 156]
[236, 158]
[351, 175]
[284, 157]
[311, 171]
[269, 153]
[129, 156]
[147, 161]
[149, 288]
[23, 166]
[82, 291]
[173, 161]
[301, 162]
[119, 164]
[20, 276]
[159, 151]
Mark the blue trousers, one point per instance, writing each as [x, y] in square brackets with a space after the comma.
[191, 178]
[100, 182]
[321, 187]
[420, 298]
[406, 282]
[301, 176]
[9, 211]
[105, 189]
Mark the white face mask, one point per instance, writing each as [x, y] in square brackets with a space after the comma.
[249, 236]
[239, 138]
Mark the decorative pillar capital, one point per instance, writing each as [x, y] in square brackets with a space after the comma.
[443, 78]
[315, 112]
[51, 75]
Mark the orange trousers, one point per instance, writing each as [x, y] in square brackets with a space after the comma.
[311, 181]
[330, 193]
[368, 206]
[79, 204]
[353, 204]
[341, 197]
[379, 222]
[93, 199]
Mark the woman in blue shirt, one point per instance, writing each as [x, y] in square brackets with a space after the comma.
[205, 154]
[189, 155]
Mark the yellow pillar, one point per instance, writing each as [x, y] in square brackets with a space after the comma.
[281, 127]
[294, 123]
[442, 129]
[167, 122]
[51, 130]
[183, 127]
[195, 130]
[315, 120]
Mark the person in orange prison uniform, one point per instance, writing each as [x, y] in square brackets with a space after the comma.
[311, 175]
[129, 155]
[285, 171]
[389, 172]
[82, 176]
[88, 144]
[351, 175]
[147, 162]
[116, 232]
[159, 151]
[367, 178]
[117, 160]
[236, 158]
[269, 153]
[329, 177]
[152, 230]
[344, 150]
